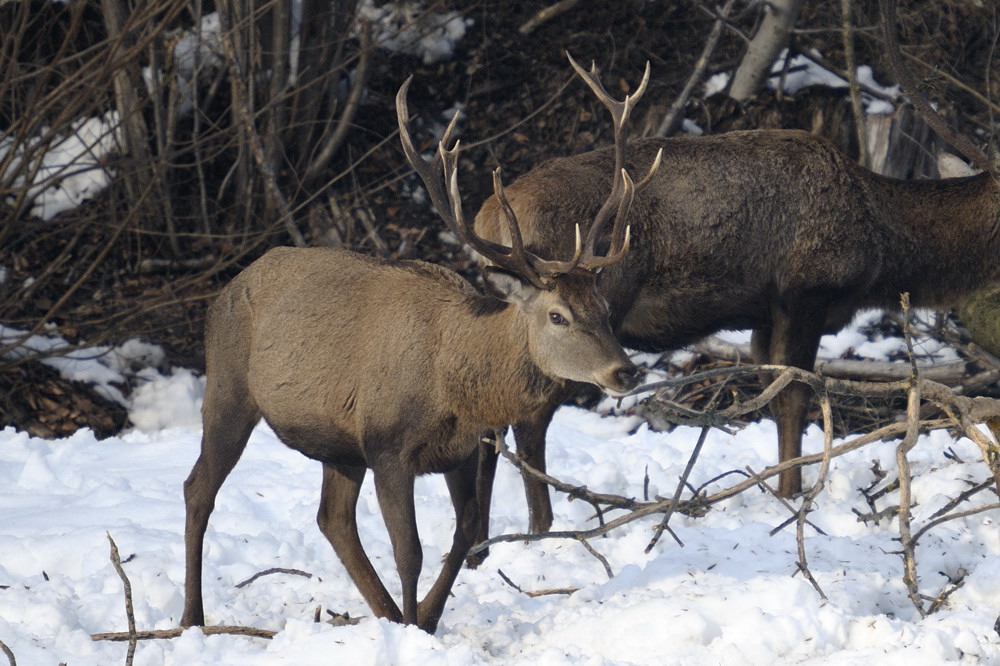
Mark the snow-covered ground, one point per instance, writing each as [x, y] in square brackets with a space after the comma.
[730, 595]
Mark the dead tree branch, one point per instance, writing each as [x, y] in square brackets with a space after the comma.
[275, 570]
[545, 15]
[536, 593]
[674, 115]
[8, 653]
[133, 635]
[176, 633]
[116, 560]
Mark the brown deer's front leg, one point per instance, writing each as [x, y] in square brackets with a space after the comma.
[530, 437]
[338, 521]
[394, 489]
[485, 476]
[462, 487]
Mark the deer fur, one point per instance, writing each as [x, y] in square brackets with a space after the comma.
[399, 367]
[776, 231]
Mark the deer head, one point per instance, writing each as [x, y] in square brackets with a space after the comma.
[568, 320]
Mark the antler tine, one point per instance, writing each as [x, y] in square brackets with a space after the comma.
[654, 167]
[621, 195]
[440, 177]
[429, 171]
[619, 110]
[592, 262]
[542, 267]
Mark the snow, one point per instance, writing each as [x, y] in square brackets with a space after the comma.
[730, 595]
[803, 72]
[71, 167]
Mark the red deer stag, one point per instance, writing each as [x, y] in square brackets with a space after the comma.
[775, 231]
[398, 367]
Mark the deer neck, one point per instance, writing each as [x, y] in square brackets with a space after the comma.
[956, 231]
[492, 379]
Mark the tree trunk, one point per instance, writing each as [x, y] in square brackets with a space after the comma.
[774, 33]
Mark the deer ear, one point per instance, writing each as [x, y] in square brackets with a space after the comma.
[508, 286]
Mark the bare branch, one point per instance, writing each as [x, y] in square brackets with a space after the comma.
[672, 120]
[8, 653]
[275, 570]
[129, 609]
[231, 630]
[547, 14]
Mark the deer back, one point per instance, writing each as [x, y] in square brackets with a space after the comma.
[734, 223]
[335, 348]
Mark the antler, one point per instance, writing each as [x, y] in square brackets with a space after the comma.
[440, 177]
[623, 190]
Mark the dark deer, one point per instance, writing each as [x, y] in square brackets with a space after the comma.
[775, 231]
[398, 367]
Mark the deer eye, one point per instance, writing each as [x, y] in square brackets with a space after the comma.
[558, 319]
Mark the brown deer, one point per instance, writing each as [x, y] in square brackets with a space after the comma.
[398, 367]
[775, 231]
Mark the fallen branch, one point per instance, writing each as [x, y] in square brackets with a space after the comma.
[133, 635]
[275, 570]
[950, 372]
[176, 633]
[536, 593]
[961, 411]
[129, 608]
[8, 653]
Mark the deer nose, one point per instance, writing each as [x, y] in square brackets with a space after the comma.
[628, 377]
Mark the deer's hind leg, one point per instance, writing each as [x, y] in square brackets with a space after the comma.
[229, 416]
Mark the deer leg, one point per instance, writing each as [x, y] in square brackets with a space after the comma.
[337, 520]
[530, 437]
[485, 475]
[394, 488]
[793, 340]
[227, 428]
[462, 487]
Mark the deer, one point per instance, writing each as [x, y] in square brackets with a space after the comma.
[399, 367]
[776, 231]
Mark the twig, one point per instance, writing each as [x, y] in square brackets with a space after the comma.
[961, 498]
[954, 584]
[581, 492]
[784, 502]
[659, 529]
[903, 463]
[245, 119]
[536, 593]
[600, 558]
[809, 498]
[275, 570]
[546, 15]
[908, 84]
[670, 122]
[129, 609]
[847, 23]
[8, 653]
